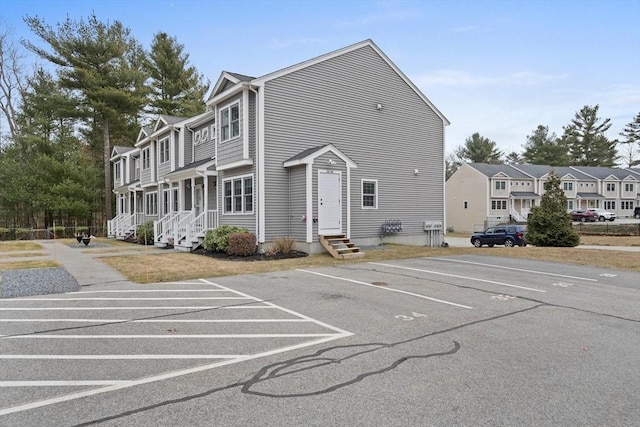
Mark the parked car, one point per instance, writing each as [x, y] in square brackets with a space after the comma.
[583, 216]
[603, 215]
[636, 212]
[508, 235]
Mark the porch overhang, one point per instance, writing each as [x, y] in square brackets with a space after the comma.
[589, 196]
[307, 157]
[524, 195]
[199, 168]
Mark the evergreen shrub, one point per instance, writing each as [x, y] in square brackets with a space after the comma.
[144, 232]
[217, 240]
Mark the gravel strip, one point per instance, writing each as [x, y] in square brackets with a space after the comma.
[36, 281]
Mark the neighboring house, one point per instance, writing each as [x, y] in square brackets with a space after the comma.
[335, 145]
[480, 194]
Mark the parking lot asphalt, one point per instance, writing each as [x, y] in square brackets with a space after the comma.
[429, 341]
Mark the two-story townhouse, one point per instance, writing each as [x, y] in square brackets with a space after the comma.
[618, 187]
[336, 145]
[471, 193]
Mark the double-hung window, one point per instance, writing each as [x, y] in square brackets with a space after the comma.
[175, 200]
[498, 205]
[238, 195]
[166, 201]
[611, 186]
[151, 204]
[369, 194]
[229, 122]
[501, 185]
[164, 150]
[628, 187]
[568, 186]
[136, 167]
[146, 158]
[117, 170]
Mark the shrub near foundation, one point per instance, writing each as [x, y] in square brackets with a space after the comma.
[242, 244]
[281, 245]
[145, 233]
[217, 240]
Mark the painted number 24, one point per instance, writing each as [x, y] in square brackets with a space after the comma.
[413, 316]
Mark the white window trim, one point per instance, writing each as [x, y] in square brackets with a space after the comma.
[148, 196]
[146, 150]
[197, 138]
[375, 199]
[253, 195]
[165, 150]
[219, 118]
[205, 135]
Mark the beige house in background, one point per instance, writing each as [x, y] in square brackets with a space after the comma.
[480, 194]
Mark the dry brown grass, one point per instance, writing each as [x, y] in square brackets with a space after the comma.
[22, 254]
[19, 245]
[610, 240]
[181, 266]
[23, 265]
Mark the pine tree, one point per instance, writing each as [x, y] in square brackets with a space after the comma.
[586, 140]
[544, 148]
[549, 224]
[478, 149]
[177, 87]
[631, 141]
[104, 64]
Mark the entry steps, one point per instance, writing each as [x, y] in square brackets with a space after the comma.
[340, 247]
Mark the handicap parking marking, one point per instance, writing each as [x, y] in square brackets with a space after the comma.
[456, 276]
[387, 288]
[522, 270]
[106, 385]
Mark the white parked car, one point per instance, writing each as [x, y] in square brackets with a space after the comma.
[603, 215]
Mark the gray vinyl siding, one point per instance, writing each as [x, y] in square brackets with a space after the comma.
[145, 174]
[188, 146]
[297, 228]
[231, 150]
[207, 149]
[335, 102]
[212, 202]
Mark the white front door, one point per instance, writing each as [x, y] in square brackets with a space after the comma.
[329, 203]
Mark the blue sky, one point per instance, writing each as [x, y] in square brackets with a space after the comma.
[500, 68]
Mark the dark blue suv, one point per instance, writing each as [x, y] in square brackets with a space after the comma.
[508, 235]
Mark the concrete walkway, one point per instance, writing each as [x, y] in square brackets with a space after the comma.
[80, 261]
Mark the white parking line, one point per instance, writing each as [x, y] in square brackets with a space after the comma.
[126, 299]
[115, 357]
[119, 385]
[513, 268]
[112, 337]
[458, 277]
[165, 376]
[157, 320]
[58, 384]
[387, 289]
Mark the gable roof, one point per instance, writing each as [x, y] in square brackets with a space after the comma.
[538, 171]
[227, 80]
[491, 170]
[119, 150]
[601, 172]
[238, 79]
[345, 50]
